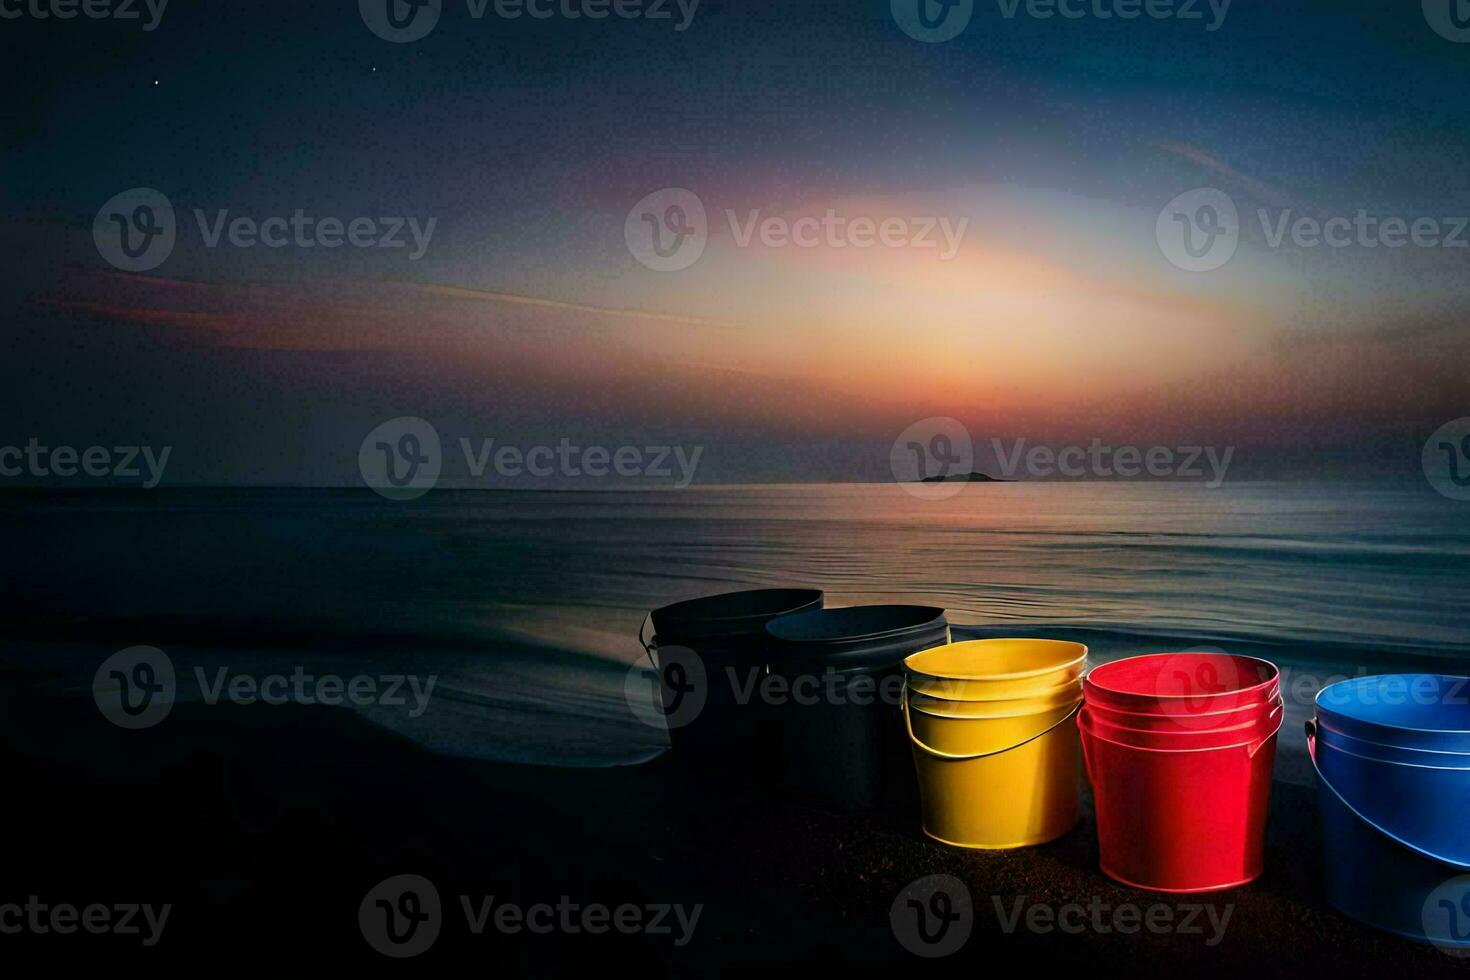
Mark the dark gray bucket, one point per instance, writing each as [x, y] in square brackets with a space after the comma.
[708, 651]
[843, 739]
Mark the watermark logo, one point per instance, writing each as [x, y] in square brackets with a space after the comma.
[1191, 682]
[401, 916]
[936, 21]
[933, 458]
[933, 21]
[1199, 230]
[933, 917]
[668, 230]
[1449, 18]
[1075, 10]
[134, 688]
[401, 458]
[1446, 459]
[136, 230]
[671, 695]
[400, 21]
[91, 9]
[1447, 917]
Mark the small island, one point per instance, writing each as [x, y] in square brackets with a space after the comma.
[965, 478]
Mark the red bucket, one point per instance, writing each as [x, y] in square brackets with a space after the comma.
[1180, 797]
[1187, 691]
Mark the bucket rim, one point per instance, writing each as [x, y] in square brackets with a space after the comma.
[693, 619]
[1273, 701]
[1273, 680]
[1335, 747]
[1389, 746]
[1080, 649]
[1194, 890]
[1056, 705]
[1200, 732]
[913, 619]
[1259, 740]
[949, 684]
[1464, 682]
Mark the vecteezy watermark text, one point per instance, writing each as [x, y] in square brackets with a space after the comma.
[402, 459]
[672, 693]
[40, 918]
[300, 687]
[1126, 918]
[136, 231]
[301, 230]
[934, 917]
[571, 918]
[833, 230]
[403, 21]
[136, 688]
[934, 459]
[1201, 230]
[118, 462]
[936, 21]
[1100, 461]
[569, 459]
[91, 9]
[402, 916]
[668, 230]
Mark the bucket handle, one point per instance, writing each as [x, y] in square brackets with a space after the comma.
[949, 757]
[1322, 777]
[1260, 743]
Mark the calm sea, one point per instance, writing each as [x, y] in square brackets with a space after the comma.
[526, 606]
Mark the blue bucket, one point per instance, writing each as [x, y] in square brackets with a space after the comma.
[1393, 816]
[1430, 712]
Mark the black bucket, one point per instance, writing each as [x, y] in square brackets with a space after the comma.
[710, 659]
[843, 739]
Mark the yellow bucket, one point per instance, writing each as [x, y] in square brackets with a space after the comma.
[992, 670]
[996, 781]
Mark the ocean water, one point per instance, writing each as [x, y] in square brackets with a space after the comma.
[526, 607]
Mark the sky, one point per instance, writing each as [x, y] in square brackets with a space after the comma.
[1030, 282]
